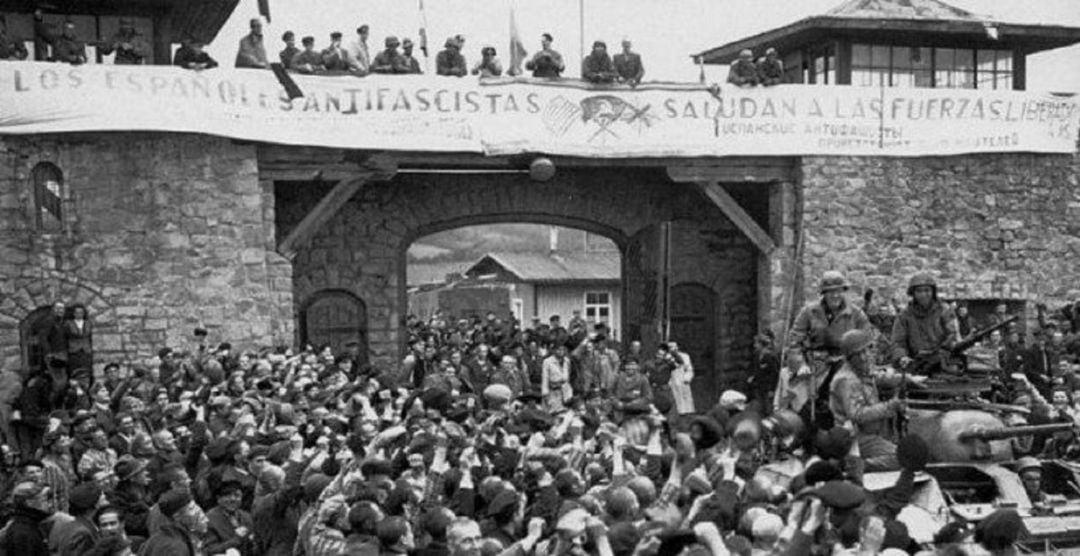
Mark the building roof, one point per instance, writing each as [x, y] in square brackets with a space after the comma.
[425, 274]
[901, 9]
[559, 267]
[914, 22]
[186, 19]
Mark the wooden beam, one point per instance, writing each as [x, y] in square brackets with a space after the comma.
[730, 207]
[742, 170]
[327, 207]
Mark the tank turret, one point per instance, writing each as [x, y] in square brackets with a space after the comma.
[971, 435]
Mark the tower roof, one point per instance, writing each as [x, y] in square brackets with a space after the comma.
[910, 22]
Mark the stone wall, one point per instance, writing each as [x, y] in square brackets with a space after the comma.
[986, 226]
[161, 233]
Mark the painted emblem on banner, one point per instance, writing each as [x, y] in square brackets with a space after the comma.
[608, 113]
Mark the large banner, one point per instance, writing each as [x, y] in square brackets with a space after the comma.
[508, 116]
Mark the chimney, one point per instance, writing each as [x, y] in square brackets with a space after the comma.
[553, 239]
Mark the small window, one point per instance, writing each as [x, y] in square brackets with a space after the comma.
[48, 197]
[598, 307]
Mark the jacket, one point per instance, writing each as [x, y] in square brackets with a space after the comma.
[23, 534]
[919, 329]
[855, 402]
[814, 331]
[169, 540]
[221, 532]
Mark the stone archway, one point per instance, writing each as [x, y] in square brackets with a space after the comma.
[31, 294]
[361, 249]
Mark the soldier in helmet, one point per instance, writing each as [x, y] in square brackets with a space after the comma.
[1030, 471]
[923, 329]
[855, 404]
[815, 336]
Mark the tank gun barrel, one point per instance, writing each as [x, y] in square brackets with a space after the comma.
[979, 433]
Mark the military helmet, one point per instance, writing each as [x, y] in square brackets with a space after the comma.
[1028, 463]
[921, 279]
[832, 280]
[855, 341]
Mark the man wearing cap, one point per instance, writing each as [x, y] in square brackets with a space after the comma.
[252, 51]
[597, 66]
[171, 538]
[67, 48]
[923, 329]
[290, 50]
[390, 61]
[449, 61]
[192, 56]
[130, 46]
[334, 57]
[854, 402]
[23, 534]
[406, 53]
[743, 72]
[308, 60]
[359, 55]
[628, 65]
[78, 536]
[817, 331]
[770, 69]
[132, 495]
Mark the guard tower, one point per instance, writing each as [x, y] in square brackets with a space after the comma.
[902, 43]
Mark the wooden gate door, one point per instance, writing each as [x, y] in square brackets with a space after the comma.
[337, 318]
[693, 327]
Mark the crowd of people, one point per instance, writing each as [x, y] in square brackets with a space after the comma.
[489, 438]
[353, 57]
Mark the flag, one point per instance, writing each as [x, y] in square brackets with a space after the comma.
[517, 49]
[264, 9]
[283, 77]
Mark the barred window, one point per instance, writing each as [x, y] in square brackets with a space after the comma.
[48, 197]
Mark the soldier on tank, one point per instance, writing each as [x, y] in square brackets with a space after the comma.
[816, 337]
[923, 330]
[855, 404]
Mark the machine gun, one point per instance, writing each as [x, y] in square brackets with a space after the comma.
[950, 359]
[977, 336]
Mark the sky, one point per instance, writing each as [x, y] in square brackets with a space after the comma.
[664, 32]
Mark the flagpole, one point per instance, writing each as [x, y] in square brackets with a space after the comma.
[581, 24]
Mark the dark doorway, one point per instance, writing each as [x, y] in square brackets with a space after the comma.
[33, 356]
[336, 318]
[693, 327]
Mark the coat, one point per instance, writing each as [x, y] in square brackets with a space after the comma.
[169, 540]
[920, 330]
[251, 53]
[813, 331]
[76, 537]
[681, 390]
[854, 402]
[23, 534]
[221, 531]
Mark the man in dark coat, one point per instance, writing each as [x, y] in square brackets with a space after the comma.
[171, 539]
[24, 535]
[743, 72]
[450, 61]
[597, 66]
[628, 65]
